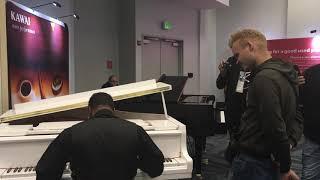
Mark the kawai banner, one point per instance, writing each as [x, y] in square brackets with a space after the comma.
[304, 52]
[38, 55]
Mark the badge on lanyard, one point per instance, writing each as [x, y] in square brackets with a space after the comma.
[241, 81]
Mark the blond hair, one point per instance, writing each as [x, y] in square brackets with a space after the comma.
[248, 34]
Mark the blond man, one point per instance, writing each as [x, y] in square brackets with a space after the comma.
[271, 124]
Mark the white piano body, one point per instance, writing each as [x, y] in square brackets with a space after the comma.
[22, 144]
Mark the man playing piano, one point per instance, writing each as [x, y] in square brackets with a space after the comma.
[104, 147]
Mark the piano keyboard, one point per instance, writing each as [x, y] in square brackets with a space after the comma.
[172, 162]
[29, 172]
[19, 172]
[24, 172]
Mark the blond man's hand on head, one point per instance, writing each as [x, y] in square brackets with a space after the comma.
[222, 66]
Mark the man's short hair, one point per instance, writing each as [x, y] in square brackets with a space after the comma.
[245, 34]
[101, 99]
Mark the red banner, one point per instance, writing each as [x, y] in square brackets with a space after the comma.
[304, 52]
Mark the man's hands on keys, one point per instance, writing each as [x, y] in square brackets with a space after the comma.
[290, 175]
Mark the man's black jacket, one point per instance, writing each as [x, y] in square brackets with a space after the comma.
[104, 147]
[234, 102]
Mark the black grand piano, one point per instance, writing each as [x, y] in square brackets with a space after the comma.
[195, 111]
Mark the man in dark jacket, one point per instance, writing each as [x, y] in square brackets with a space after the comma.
[103, 147]
[231, 74]
[311, 104]
[235, 81]
[272, 123]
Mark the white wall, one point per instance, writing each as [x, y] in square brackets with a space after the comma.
[207, 35]
[127, 41]
[303, 16]
[67, 8]
[150, 14]
[268, 16]
[96, 41]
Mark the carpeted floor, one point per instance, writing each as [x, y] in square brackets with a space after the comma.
[217, 168]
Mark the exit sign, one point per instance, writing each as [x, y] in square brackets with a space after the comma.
[166, 25]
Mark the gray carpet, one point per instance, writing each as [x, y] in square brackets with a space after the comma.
[218, 169]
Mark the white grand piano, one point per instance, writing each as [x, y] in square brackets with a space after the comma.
[27, 130]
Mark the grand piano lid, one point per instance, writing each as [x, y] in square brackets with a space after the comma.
[80, 100]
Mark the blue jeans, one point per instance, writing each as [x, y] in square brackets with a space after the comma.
[245, 167]
[310, 160]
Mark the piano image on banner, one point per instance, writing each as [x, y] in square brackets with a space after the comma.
[24, 85]
[26, 131]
